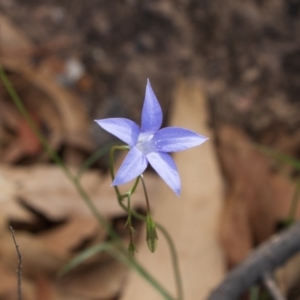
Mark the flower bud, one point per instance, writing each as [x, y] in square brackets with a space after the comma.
[131, 249]
[151, 236]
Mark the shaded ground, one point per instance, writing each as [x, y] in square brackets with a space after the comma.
[247, 54]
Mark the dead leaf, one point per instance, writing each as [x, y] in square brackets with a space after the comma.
[60, 114]
[97, 281]
[49, 191]
[54, 225]
[192, 221]
[14, 42]
[257, 197]
[69, 239]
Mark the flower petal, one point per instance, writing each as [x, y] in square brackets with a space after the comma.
[165, 166]
[133, 165]
[124, 129]
[152, 113]
[173, 139]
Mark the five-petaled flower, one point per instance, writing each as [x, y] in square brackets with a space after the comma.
[150, 144]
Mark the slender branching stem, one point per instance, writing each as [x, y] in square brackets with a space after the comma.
[171, 246]
[174, 258]
[143, 218]
[132, 190]
[19, 269]
[131, 248]
[53, 155]
[56, 158]
[145, 193]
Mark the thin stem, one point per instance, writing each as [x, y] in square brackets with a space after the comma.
[174, 258]
[171, 247]
[145, 192]
[130, 228]
[133, 189]
[19, 269]
[121, 257]
[134, 264]
[55, 157]
[19, 104]
[168, 238]
[93, 158]
[95, 212]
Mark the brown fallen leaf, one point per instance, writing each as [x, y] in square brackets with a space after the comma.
[9, 190]
[8, 284]
[192, 221]
[257, 198]
[14, 42]
[97, 281]
[61, 116]
[53, 225]
[67, 240]
[49, 191]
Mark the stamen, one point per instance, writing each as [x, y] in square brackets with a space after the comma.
[144, 143]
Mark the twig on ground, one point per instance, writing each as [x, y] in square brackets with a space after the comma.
[19, 269]
[265, 259]
[271, 286]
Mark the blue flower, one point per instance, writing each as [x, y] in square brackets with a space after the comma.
[150, 144]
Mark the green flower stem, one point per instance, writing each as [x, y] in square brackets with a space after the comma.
[170, 243]
[145, 193]
[132, 190]
[131, 262]
[174, 258]
[55, 157]
[172, 248]
[93, 158]
[128, 223]
[118, 255]
[143, 218]
[19, 104]
[131, 248]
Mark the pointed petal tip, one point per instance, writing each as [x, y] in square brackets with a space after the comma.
[177, 193]
[204, 139]
[99, 122]
[117, 182]
[149, 86]
[151, 119]
[124, 129]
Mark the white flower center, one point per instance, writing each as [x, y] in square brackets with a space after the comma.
[144, 143]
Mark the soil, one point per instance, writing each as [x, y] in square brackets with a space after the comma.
[247, 55]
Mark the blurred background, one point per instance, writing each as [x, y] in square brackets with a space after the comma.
[75, 61]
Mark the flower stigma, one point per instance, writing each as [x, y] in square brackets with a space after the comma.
[144, 143]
